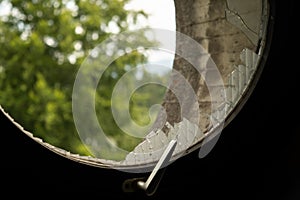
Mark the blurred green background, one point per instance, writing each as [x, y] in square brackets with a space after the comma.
[42, 45]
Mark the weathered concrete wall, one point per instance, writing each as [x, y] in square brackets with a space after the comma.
[224, 29]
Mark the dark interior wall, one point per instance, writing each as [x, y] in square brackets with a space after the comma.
[256, 157]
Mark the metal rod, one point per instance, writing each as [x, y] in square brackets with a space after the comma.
[164, 159]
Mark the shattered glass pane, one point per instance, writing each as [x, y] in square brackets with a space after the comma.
[233, 35]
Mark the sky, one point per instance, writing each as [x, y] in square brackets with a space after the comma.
[4, 9]
[162, 16]
[162, 12]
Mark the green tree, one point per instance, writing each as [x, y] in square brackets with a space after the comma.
[43, 43]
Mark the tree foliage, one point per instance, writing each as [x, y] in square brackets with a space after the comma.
[43, 43]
